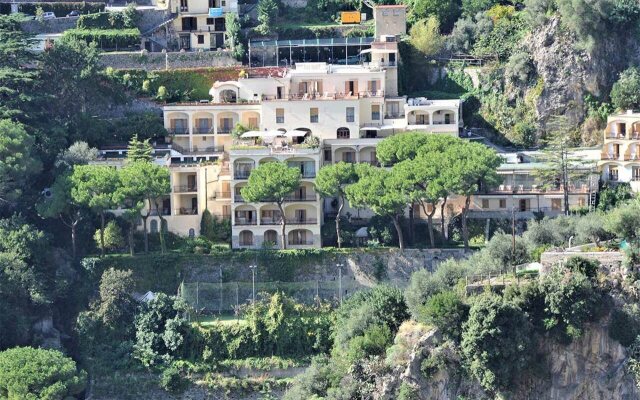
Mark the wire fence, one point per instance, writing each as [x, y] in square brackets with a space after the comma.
[223, 297]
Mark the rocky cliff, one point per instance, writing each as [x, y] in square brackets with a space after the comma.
[592, 367]
[569, 71]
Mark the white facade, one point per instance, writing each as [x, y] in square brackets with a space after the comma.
[620, 158]
[345, 107]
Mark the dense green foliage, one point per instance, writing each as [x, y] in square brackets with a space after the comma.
[161, 328]
[496, 342]
[28, 373]
[625, 92]
[106, 38]
[60, 9]
[274, 326]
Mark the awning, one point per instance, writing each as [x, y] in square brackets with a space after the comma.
[251, 134]
[272, 133]
[370, 128]
[296, 133]
[362, 232]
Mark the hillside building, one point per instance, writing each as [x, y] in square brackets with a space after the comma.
[620, 157]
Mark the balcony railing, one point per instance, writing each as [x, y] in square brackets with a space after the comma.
[609, 156]
[325, 96]
[511, 189]
[635, 178]
[614, 135]
[307, 197]
[613, 177]
[308, 174]
[179, 131]
[244, 221]
[185, 188]
[224, 130]
[394, 116]
[298, 221]
[221, 195]
[301, 242]
[631, 157]
[242, 174]
[203, 130]
[271, 221]
[185, 211]
[163, 211]
[238, 199]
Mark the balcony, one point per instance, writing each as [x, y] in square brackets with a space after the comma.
[224, 130]
[308, 242]
[203, 130]
[535, 189]
[307, 197]
[185, 189]
[394, 116]
[631, 157]
[615, 135]
[305, 221]
[238, 199]
[221, 195]
[613, 177]
[609, 156]
[185, 211]
[241, 221]
[162, 211]
[325, 96]
[178, 131]
[241, 174]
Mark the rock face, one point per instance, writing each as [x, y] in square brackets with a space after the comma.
[589, 368]
[592, 368]
[569, 72]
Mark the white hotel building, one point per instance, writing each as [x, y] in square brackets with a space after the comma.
[349, 109]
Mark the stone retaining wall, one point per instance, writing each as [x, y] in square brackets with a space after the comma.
[55, 25]
[155, 61]
[606, 258]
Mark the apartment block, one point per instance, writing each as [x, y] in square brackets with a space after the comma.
[523, 194]
[620, 157]
[200, 24]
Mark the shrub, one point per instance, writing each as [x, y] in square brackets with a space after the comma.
[496, 342]
[408, 392]
[582, 265]
[625, 93]
[570, 301]
[625, 324]
[446, 311]
[113, 238]
[501, 250]
[591, 228]
[106, 38]
[624, 221]
[374, 341]
[171, 380]
[104, 20]
[28, 373]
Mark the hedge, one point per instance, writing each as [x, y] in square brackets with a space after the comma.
[59, 9]
[107, 38]
[103, 20]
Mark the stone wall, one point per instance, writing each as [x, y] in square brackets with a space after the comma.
[362, 266]
[606, 258]
[56, 25]
[155, 61]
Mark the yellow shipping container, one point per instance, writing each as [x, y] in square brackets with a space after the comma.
[350, 17]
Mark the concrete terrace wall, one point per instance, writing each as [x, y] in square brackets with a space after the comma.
[606, 258]
[56, 25]
[155, 61]
[361, 265]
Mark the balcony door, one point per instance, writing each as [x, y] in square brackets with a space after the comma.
[301, 215]
[191, 183]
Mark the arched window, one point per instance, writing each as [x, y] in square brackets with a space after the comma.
[343, 133]
[246, 238]
[154, 226]
[192, 233]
